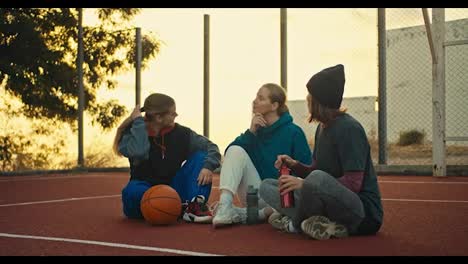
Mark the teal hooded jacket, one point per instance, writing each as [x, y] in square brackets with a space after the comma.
[282, 137]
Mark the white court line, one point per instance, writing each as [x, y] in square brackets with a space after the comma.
[425, 182]
[427, 201]
[62, 200]
[118, 195]
[107, 244]
[41, 178]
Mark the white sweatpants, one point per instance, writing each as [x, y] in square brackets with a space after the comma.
[238, 172]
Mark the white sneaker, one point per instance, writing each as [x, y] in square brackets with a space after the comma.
[225, 214]
[242, 212]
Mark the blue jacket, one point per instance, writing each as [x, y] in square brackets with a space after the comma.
[282, 137]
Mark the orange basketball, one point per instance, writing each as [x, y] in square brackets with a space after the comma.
[161, 205]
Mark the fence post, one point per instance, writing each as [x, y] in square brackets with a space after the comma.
[206, 75]
[284, 47]
[438, 94]
[382, 97]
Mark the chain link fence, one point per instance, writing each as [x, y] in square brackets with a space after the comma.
[311, 48]
[409, 87]
[456, 74]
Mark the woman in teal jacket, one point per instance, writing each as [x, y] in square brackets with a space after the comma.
[250, 158]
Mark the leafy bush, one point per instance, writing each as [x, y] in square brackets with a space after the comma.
[411, 137]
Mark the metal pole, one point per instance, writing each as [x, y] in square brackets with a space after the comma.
[206, 75]
[284, 47]
[138, 67]
[382, 97]
[429, 34]
[438, 95]
[80, 89]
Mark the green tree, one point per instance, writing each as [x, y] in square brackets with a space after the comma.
[38, 53]
[35, 144]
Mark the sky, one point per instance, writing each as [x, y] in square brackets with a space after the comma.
[245, 53]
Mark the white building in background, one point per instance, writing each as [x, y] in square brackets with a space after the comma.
[361, 108]
[409, 81]
[409, 87]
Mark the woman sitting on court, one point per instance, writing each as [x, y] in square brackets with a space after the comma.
[251, 157]
[338, 194]
[157, 148]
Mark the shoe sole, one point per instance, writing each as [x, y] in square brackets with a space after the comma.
[235, 219]
[221, 223]
[197, 219]
[321, 228]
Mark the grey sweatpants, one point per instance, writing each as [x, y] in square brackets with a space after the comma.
[321, 194]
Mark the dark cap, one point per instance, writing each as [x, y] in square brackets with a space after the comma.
[157, 103]
[327, 86]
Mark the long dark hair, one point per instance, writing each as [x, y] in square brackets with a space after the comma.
[321, 113]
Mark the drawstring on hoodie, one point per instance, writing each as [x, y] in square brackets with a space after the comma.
[162, 146]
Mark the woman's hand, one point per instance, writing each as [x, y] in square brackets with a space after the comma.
[205, 177]
[135, 113]
[257, 121]
[280, 159]
[289, 183]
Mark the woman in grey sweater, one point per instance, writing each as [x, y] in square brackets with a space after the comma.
[338, 194]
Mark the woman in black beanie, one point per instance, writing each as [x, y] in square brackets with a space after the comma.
[338, 194]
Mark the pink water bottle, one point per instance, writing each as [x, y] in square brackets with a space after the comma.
[287, 200]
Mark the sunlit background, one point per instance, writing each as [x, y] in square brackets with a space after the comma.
[245, 49]
[244, 54]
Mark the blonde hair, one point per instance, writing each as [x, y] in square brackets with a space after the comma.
[118, 135]
[277, 95]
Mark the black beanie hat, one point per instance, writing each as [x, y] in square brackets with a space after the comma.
[327, 86]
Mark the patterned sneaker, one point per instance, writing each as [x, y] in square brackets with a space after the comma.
[321, 228]
[274, 218]
[280, 222]
[225, 214]
[197, 211]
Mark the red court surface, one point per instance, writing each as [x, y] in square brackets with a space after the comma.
[81, 214]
